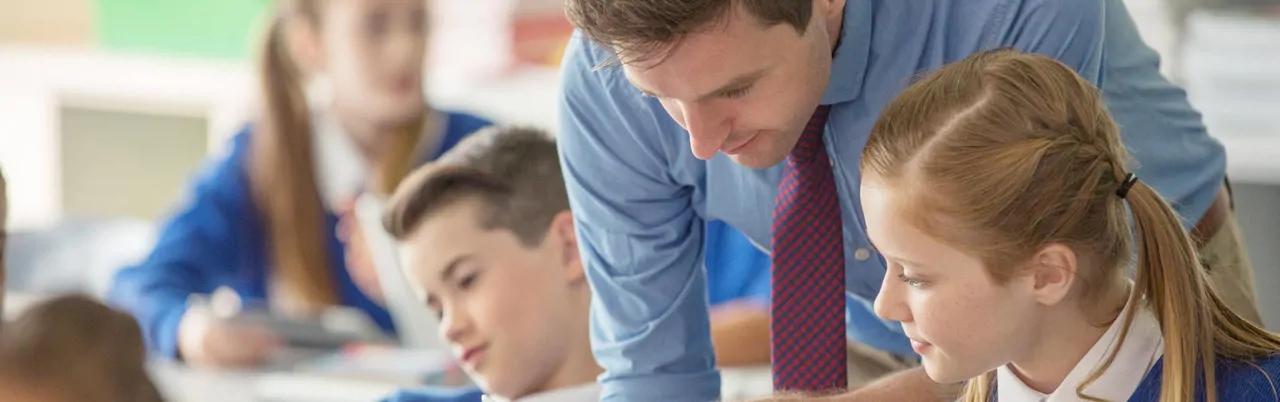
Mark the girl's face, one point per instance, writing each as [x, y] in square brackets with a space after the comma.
[959, 320]
[372, 53]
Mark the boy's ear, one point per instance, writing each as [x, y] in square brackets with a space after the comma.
[1053, 271]
[566, 243]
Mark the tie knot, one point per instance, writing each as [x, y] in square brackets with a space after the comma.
[810, 142]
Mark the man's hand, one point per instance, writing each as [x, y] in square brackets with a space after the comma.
[905, 386]
[740, 333]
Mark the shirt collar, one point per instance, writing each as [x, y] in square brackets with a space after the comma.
[849, 65]
[1142, 348]
[585, 392]
[340, 169]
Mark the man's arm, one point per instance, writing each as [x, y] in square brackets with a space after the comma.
[905, 386]
[640, 238]
[739, 278]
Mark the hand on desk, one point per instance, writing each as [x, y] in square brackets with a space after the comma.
[740, 333]
[205, 340]
[359, 263]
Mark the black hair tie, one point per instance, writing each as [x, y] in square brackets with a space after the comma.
[1127, 184]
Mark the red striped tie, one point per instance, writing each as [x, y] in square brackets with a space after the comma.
[808, 325]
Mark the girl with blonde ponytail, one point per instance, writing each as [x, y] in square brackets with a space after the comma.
[998, 191]
[262, 219]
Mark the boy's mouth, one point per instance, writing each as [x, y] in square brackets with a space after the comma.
[472, 355]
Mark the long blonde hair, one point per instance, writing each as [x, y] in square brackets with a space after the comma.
[1015, 151]
[282, 171]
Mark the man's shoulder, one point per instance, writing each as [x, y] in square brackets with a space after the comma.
[587, 64]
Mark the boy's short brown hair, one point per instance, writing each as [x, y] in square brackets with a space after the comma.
[513, 171]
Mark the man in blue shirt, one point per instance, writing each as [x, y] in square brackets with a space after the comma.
[675, 112]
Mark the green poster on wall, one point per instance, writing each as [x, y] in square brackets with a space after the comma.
[222, 29]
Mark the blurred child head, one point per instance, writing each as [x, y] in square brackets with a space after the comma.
[74, 349]
[370, 53]
[492, 250]
[993, 188]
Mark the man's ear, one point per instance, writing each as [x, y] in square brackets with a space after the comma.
[834, 12]
[1053, 270]
[565, 240]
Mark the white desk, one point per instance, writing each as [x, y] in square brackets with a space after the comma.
[183, 384]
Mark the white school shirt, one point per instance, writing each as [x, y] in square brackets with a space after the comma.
[341, 170]
[589, 392]
[1142, 348]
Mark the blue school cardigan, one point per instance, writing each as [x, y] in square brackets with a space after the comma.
[1255, 380]
[215, 238]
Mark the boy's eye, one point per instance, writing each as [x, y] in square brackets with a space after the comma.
[467, 281]
[737, 93]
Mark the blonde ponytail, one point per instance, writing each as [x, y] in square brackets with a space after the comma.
[1171, 279]
[1197, 324]
[283, 175]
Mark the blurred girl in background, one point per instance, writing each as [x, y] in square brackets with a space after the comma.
[343, 112]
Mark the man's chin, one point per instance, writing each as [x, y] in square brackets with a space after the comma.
[757, 160]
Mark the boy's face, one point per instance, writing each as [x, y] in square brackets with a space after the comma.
[505, 309]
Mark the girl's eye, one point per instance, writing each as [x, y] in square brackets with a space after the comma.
[910, 281]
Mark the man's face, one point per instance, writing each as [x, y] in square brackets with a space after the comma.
[743, 89]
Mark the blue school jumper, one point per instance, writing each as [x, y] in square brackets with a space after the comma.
[216, 238]
[1255, 380]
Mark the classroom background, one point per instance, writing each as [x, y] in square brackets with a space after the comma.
[108, 106]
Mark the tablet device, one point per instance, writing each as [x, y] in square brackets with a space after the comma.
[415, 324]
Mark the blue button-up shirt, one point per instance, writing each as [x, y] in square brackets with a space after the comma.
[640, 197]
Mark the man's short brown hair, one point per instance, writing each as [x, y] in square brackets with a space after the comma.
[646, 29]
[514, 172]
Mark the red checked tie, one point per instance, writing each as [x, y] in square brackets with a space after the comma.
[808, 326]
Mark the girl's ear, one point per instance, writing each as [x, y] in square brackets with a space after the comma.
[1053, 269]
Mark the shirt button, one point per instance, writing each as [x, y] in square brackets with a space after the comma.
[862, 254]
[832, 162]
